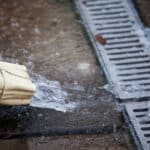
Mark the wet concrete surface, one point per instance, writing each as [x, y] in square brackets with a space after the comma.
[47, 37]
[144, 9]
[84, 142]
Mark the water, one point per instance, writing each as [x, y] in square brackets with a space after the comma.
[49, 94]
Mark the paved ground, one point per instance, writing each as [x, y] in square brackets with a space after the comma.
[46, 36]
[144, 7]
[91, 142]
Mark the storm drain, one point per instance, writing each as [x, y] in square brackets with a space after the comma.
[137, 117]
[120, 45]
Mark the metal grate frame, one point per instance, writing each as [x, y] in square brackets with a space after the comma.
[136, 116]
[124, 57]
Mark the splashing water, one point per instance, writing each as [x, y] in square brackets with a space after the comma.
[49, 94]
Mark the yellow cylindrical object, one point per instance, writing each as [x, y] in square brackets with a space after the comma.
[16, 87]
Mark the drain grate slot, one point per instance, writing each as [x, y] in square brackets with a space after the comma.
[123, 56]
[136, 115]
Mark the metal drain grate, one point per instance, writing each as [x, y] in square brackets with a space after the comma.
[120, 47]
[139, 122]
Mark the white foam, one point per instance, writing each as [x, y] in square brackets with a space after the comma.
[49, 94]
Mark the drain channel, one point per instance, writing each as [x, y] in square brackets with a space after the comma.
[136, 115]
[121, 48]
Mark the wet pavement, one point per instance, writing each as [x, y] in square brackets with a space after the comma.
[47, 37]
[84, 142]
[144, 7]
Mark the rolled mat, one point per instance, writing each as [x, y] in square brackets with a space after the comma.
[16, 87]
